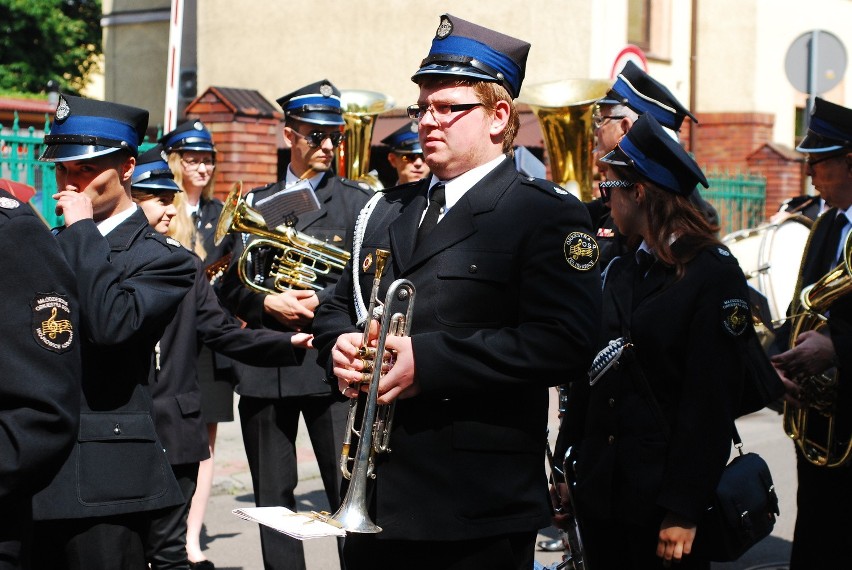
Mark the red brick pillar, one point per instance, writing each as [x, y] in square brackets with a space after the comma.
[783, 169]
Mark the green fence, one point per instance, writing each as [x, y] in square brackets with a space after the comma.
[739, 199]
[19, 152]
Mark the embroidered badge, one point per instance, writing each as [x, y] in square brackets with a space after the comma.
[445, 28]
[581, 251]
[368, 261]
[62, 109]
[9, 203]
[51, 322]
[605, 233]
[172, 241]
[735, 316]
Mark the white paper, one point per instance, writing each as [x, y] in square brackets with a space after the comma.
[298, 525]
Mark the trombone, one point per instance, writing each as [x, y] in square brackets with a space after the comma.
[394, 319]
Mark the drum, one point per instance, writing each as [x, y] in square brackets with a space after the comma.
[770, 256]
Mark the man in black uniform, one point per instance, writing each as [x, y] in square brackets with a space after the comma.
[507, 305]
[272, 399]
[824, 495]
[130, 280]
[40, 391]
[406, 154]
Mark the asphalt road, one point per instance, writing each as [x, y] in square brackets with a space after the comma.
[234, 544]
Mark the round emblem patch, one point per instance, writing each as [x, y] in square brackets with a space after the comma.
[445, 28]
[51, 322]
[368, 261]
[735, 316]
[581, 251]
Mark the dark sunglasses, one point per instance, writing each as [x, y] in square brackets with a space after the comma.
[316, 138]
[605, 188]
[813, 161]
[411, 157]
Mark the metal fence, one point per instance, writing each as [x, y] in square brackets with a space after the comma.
[19, 152]
[739, 199]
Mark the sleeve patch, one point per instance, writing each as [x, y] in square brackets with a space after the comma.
[735, 316]
[581, 251]
[51, 322]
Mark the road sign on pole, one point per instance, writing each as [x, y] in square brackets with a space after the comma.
[173, 66]
[816, 62]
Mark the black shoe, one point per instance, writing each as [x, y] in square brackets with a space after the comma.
[202, 565]
[554, 545]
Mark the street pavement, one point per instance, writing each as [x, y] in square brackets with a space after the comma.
[234, 544]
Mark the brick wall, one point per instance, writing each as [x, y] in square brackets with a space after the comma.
[783, 169]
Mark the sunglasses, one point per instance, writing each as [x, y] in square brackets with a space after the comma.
[316, 138]
[813, 161]
[411, 157]
[605, 188]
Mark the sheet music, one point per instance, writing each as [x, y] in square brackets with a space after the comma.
[286, 204]
[302, 526]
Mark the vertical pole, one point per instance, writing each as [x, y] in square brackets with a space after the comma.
[693, 55]
[813, 57]
[173, 66]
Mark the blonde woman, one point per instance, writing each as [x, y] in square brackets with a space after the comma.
[192, 159]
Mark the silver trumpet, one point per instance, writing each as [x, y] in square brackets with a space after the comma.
[574, 557]
[394, 319]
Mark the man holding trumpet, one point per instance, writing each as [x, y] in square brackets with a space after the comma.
[508, 298]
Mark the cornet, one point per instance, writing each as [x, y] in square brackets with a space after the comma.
[394, 319]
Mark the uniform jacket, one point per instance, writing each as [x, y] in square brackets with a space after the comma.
[40, 390]
[501, 312]
[340, 199]
[201, 320]
[654, 432]
[207, 218]
[130, 284]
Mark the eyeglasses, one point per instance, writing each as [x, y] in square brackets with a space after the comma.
[814, 161]
[599, 120]
[439, 110]
[605, 188]
[316, 138]
[411, 157]
[195, 164]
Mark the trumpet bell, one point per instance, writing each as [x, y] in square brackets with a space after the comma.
[564, 112]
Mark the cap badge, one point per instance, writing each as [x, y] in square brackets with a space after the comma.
[52, 327]
[368, 261]
[735, 316]
[326, 90]
[445, 28]
[581, 251]
[198, 126]
[62, 109]
[9, 203]
[413, 127]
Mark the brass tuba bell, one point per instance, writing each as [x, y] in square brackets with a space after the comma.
[360, 109]
[564, 111]
[301, 261]
[824, 438]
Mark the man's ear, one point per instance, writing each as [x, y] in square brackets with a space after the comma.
[126, 169]
[502, 110]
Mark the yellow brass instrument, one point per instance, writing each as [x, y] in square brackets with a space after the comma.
[302, 262]
[823, 440]
[564, 111]
[360, 109]
[394, 319]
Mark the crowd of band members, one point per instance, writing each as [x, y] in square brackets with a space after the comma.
[500, 318]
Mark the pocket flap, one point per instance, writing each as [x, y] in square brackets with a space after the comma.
[113, 426]
[189, 403]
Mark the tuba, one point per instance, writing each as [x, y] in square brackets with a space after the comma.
[823, 439]
[301, 262]
[564, 111]
[360, 109]
[394, 319]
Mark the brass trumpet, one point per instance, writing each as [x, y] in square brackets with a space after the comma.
[394, 319]
[301, 262]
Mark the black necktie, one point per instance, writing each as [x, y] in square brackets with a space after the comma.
[829, 253]
[433, 211]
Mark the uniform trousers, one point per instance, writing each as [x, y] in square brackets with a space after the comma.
[98, 543]
[269, 429]
[823, 522]
[166, 540]
[505, 552]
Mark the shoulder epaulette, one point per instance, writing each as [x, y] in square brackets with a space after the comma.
[171, 243]
[546, 186]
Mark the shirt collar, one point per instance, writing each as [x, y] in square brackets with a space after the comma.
[458, 186]
[113, 222]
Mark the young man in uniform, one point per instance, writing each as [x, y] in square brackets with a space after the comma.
[507, 299]
[130, 280]
[406, 154]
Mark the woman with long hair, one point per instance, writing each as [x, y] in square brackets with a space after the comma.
[652, 434]
[192, 160]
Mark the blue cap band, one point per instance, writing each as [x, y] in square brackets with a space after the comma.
[331, 104]
[496, 61]
[651, 170]
[100, 127]
[642, 104]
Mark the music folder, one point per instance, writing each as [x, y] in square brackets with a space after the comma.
[302, 526]
[285, 206]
